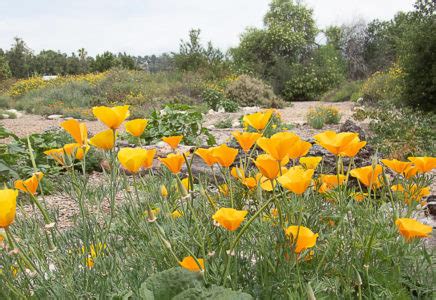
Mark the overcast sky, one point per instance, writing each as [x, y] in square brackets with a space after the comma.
[142, 27]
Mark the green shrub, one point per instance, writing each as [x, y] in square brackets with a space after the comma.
[347, 91]
[177, 120]
[5, 101]
[320, 115]
[225, 123]
[249, 91]
[400, 133]
[384, 86]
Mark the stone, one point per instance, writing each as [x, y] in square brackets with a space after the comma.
[54, 117]
[350, 126]
[210, 112]
[431, 205]
[236, 124]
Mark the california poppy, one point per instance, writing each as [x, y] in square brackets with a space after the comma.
[190, 264]
[230, 218]
[112, 117]
[310, 162]
[368, 175]
[8, 205]
[411, 192]
[397, 166]
[410, 228]
[302, 237]
[246, 139]
[296, 179]
[132, 159]
[163, 191]
[265, 183]
[173, 141]
[136, 127]
[206, 155]
[329, 182]
[173, 162]
[424, 164]
[104, 140]
[267, 165]
[224, 155]
[298, 149]
[77, 130]
[258, 120]
[29, 185]
[344, 143]
[278, 145]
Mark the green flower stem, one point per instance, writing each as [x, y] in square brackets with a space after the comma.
[13, 243]
[240, 234]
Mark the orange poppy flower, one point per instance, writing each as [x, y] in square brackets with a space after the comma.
[302, 237]
[279, 145]
[136, 127]
[224, 155]
[397, 166]
[29, 185]
[8, 205]
[424, 164]
[258, 120]
[173, 141]
[190, 264]
[132, 159]
[173, 162]
[296, 179]
[329, 182]
[412, 192]
[230, 218]
[237, 172]
[368, 175]
[267, 165]
[311, 162]
[104, 140]
[77, 130]
[410, 228]
[344, 143]
[76, 150]
[246, 139]
[410, 172]
[112, 117]
[265, 183]
[298, 149]
[206, 155]
[249, 182]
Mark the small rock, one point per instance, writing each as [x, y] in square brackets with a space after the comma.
[54, 117]
[221, 110]
[161, 144]
[211, 112]
[210, 127]
[236, 123]
[350, 126]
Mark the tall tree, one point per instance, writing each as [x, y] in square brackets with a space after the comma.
[19, 59]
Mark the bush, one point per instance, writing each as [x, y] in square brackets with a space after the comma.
[224, 123]
[400, 132]
[320, 115]
[347, 91]
[249, 91]
[384, 86]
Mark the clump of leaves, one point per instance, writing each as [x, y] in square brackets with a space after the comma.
[319, 116]
[224, 123]
[177, 119]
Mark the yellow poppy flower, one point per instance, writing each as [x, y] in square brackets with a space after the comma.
[424, 164]
[74, 149]
[368, 175]
[397, 166]
[29, 185]
[8, 205]
[249, 182]
[177, 214]
[358, 196]
[173, 141]
[224, 155]
[190, 264]
[77, 130]
[258, 120]
[344, 143]
[173, 162]
[410, 171]
[132, 159]
[112, 117]
[163, 191]
[230, 218]
[296, 179]
[410, 228]
[310, 162]
[136, 127]
[278, 145]
[149, 157]
[185, 182]
[224, 189]
[237, 172]
[329, 182]
[301, 237]
[246, 139]
[206, 155]
[104, 140]
[267, 165]
[298, 149]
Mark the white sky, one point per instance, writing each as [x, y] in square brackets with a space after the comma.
[142, 27]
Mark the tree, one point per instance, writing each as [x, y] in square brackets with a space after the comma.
[191, 56]
[19, 59]
[5, 71]
[104, 62]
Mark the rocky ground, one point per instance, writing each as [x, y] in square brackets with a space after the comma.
[293, 115]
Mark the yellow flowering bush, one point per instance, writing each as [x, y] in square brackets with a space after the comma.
[259, 221]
